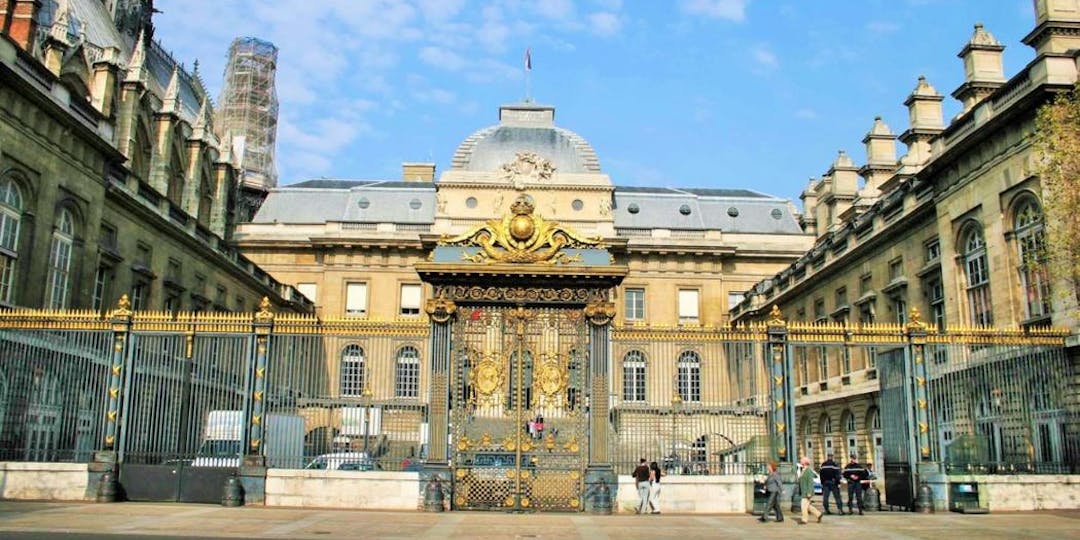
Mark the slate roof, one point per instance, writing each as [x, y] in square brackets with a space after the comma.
[489, 148]
[375, 201]
[319, 201]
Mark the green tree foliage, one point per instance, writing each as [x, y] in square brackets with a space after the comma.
[1057, 139]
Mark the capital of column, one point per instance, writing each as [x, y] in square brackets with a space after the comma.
[440, 310]
[600, 312]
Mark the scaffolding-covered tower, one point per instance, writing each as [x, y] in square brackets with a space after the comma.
[248, 116]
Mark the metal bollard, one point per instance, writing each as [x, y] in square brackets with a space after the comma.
[871, 498]
[602, 500]
[433, 495]
[924, 503]
[233, 493]
[108, 487]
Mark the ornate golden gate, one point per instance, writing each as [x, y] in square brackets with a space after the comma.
[519, 426]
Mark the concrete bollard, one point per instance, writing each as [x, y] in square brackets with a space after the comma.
[233, 492]
[108, 488]
[602, 500]
[433, 495]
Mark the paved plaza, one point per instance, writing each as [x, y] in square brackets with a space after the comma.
[58, 520]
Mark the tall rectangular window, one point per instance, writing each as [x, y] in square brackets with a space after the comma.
[410, 300]
[102, 281]
[635, 304]
[139, 293]
[688, 305]
[634, 376]
[356, 299]
[734, 298]
[310, 290]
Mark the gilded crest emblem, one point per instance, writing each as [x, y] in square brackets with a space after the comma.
[552, 377]
[522, 236]
[526, 166]
[486, 379]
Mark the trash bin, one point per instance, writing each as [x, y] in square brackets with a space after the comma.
[760, 498]
[964, 498]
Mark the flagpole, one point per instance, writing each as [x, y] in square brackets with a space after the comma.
[528, 75]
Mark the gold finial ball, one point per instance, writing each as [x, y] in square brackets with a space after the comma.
[522, 227]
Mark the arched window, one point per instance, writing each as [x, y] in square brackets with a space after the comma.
[407, 373]
[826, 433]
[634, 376]
[849, 422]
[352, 371]
[689, 380]
[977, 275]
[1031, 246]
[59, 281]
[11, 205]
[808, 438]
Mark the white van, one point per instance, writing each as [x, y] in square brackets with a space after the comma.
[343, 461]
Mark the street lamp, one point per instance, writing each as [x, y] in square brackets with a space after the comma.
[365, 396]
[676, 401]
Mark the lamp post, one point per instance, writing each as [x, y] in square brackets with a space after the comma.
[366, 399]
[676, 401]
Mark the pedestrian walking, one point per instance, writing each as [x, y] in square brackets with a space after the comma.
[773, 486]
[855, 473]
[806, 486]
[654, 487]
[641, 477]
[830, 484]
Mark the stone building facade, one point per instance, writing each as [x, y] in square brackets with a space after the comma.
[112, 179]
[353, 247]
[953, 229]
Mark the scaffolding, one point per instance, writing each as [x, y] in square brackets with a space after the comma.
[248, 110]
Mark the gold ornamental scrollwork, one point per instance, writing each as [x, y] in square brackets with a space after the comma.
[440, 309]
[775, 317]
[487, 379]
[521, 236]
[264, 315]
[600, 312]
[123, 308]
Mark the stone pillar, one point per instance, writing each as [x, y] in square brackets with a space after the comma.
[599, 470]
[441, 312]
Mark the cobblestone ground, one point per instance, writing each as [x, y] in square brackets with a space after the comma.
[26, 519]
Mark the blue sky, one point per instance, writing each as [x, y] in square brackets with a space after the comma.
[688, 93]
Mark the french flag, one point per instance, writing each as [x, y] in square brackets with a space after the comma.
[528, 59]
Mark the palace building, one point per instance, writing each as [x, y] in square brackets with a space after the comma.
[953, 229]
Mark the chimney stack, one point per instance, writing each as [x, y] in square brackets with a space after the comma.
[924, 113]
[1055, 27]
[418, 172]
[983, 71]
[19, 18]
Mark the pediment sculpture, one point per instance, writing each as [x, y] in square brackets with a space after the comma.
[521, 236]
[526, 166]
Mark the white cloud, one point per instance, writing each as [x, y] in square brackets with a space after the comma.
[806, 114]
[442, 58]
[731, 10]
[440, 10]
[604, 23]
[765, 58]
[559, 10]
[435, 95]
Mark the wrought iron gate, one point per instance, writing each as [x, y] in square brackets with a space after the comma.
[897, 429]
[519, 434]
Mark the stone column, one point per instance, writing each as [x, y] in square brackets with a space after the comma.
[599, 471]
[782, 404]
[441, 312]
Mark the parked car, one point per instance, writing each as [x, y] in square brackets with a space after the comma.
[344, 461]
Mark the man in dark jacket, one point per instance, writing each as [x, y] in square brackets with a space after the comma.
[855, 474]
[773, 486]
[641, 477]
[830, 484]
